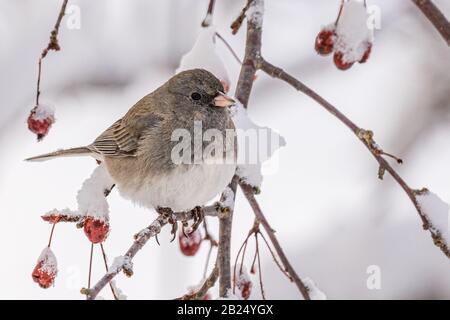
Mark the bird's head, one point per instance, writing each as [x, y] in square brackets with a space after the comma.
[201, 88]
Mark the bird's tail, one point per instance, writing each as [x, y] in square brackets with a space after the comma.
[73, 152]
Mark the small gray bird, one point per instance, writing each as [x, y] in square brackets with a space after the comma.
[138, 149]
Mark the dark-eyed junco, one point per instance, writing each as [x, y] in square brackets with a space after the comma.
[138, 148]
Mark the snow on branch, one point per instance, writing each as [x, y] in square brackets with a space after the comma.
[252, 156]
[255, 13]
[437, 214]
[314, 292]
[91, 197]
[124, 263]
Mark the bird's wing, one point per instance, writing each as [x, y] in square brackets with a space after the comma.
[116, 141]
[122, 138]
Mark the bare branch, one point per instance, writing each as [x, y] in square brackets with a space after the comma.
[249, 194]
[141, 239]
[52, 45]
[105, 260]
[366, 137]
[207, 21]
[229, 47]
[236, 24]
[436, 17]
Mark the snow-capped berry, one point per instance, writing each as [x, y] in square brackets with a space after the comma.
[40, 120]
[366, 55]
[353, 35]
[324, 44]
[95, 229]
[42, 277]
[340, 62]
[246, 289]
[189, 245]
[45, 271]
[243, 282]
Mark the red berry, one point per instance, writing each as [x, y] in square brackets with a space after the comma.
[243, 281]
[42, 277]
[44, 273]
[339, 61]
[189, 245]
[246, 289]
[95, 229]
[39, 122]
[325, 42]
[366, 55]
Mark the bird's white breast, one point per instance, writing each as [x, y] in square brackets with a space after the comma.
[182, 189]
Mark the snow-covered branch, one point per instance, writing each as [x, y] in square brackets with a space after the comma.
[124, 263]
[243, 89]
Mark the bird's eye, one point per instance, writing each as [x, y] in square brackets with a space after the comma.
[196, 96]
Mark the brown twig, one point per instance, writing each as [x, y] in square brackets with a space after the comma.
[53, 44]
[341, 7]
[243, 249]
[105, 260]
[249, 194]
[236, 24]
[212, 243]
[436, 17]
[90, 264]
[366, 137]
[51, 233]
[229, 47]
[261, 284]
[207, 21]
[275, 259]
[140, 240]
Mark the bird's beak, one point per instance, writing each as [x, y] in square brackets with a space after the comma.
[223, 101]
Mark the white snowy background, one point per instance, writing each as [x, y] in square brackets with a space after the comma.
[332, 215]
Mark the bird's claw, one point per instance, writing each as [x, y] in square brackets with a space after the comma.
[167, 214]
[199, 216]
[174, 224]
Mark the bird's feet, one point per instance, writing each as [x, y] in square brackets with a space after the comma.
[167, 214]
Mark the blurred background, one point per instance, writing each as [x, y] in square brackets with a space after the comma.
[334, 218]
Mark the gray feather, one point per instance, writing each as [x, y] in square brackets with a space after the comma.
[74, 152]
